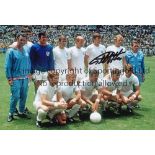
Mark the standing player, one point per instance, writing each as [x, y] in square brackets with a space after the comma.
[60, 57]
[17, 69]
[135, 57]
[117, 49]
[44, 103]
[27, 46]
[92, 51]
[129, 79]
[41, 55]
[76, 58]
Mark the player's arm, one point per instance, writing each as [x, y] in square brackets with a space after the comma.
[8, 66]
[32, 58]
[45, 101]
[69, 64]
[85, 98]
[106, 66]
[105, 91]
[143, 70]
[86, 57]
[51, 60]
[77, 95]
[124, 62]
[136, 93]
[97, 101]
[69, 61]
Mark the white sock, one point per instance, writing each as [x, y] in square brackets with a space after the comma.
[41, 115]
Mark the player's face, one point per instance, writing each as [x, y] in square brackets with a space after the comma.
[54, 80]
[128, 73]
[97, 41]
[135, 47]
[63, 42]
[80, 43]
[119, 41]
[115, 77]
[94, 78]
[21, 41]
[71, 78]
[43, 39]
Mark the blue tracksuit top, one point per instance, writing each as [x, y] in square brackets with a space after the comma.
[17, 63]
[41, 58]
[137, 62]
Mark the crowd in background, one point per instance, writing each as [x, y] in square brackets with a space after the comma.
[145, 33]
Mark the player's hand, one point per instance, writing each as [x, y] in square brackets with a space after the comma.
[10, 82]
[62, 105]
[117, 97]
[30, 77]
[73, 101]
[131, 98]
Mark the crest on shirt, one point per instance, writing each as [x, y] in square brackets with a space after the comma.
[47, 53]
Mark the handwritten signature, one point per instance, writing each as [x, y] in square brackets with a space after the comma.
[107, 57]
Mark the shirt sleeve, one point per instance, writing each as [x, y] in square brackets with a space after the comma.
[69, 54]
[51, 60]
[32, 59]
[143, 66]
[126, 58]
[8, 64]
[87, 52]
[43, 90]
[136, 81]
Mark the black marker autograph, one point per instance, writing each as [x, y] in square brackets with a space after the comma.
[107, 57]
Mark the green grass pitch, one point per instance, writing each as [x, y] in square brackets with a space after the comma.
[142, 119]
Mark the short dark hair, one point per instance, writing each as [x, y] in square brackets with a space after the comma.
[21, 34]
[62, 37]
[135, 41]
[128, 68]
[52, 74]
[115, 71]
[42, 34]
[96, 35]
[93, 71]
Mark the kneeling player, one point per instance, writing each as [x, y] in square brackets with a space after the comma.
[129, 80]
[91, 89]
[72, 95]
[44, 104]
[111, 90]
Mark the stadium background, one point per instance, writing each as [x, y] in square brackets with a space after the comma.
[143, 118]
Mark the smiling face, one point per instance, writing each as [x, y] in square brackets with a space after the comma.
[135, 46]
[62, 42]
[118, 40]
[115, 74]
[79, 42]
[53, 78]
[71, 77]
[43, 40]
[21, 41]
[97, 41]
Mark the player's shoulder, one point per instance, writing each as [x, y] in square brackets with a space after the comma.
[10, 51]
[90, 46]
[55, 48]
[110, 47]
[49, 46]
[140, 53]
[102, 46]
[128, 53]
[134, 77]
